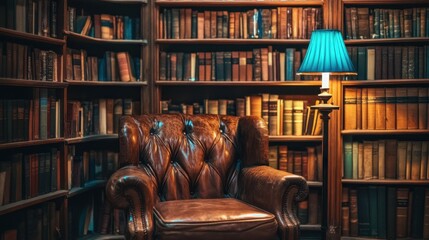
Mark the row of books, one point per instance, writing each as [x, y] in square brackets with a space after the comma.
[92, 214]
[386, 108]
[32, 16]
[27, 175]
[385, 212]
[283, 116]
[39, 222]
[259, 64]
[309, 210]
[386, 159]
[104, 26]
[25, 62]
[112, 66]
[393, 62]
[306, 161]
[88, 165]
[100, 116]
[364, 22]
[266, 23]
[30, 119]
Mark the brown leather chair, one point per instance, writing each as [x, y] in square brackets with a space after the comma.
[202, 177]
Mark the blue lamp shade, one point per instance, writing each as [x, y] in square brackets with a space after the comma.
[326, 53]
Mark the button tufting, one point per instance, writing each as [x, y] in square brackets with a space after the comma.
[156, 127]
[222, 127]
[189, 127]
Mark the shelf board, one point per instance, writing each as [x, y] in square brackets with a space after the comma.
[87, 39]
[91, 138]
[385, 41]
[385, 82]
[231, 3]
[310, 227]
[30, 37]
[87, 187]
[304, 138]
[384, 132]
[385, 2]
[105, 83]
[230, 41]
[31, 143]
[384, 182]
[112, 1]
[11, 207]
[242, 83]
[31, 83]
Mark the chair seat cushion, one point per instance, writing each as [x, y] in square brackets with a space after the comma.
[210, 219]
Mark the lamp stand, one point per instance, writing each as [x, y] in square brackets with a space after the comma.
[325, 109]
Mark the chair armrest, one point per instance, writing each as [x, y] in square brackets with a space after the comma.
[133, 189]
[274, 191]
[253, 139]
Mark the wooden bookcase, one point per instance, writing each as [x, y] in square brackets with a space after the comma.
[385, 123]
[47, 155]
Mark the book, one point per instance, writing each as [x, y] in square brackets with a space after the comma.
[350, 108]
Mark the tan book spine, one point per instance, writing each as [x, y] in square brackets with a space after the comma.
[382, 159]
[232, 29]
[370, 64]
[200, 25]
[288, 117]
[298, 117]
[312, 163]
[360, 161]
[274, 23]
[359, 108]
[242, 66]
[401, 108]
[350, 109]
[256, 105]
[235, 61]
[237, 25]
[423, 107]
[401, 157]
[390, 108]
[412, 108]
[213, 24]
[367, 156]
[364, 108]
[282, 61]
[207, 24]
[208, 68]
[371, 108]
[380, 109]
[408, 160]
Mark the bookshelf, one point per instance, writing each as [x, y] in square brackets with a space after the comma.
[107, 75]
[31, 138]
[384, 120]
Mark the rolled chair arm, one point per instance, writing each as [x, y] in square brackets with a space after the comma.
[132, 188]
[274, 191]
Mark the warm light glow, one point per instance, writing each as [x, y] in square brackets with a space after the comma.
[325, 80]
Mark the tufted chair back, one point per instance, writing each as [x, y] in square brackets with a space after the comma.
[188, 156]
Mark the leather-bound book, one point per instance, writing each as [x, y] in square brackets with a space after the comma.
[235, 60]
[380, 108]
[207, 24]
[242, 66]
[401, 108]
[402, 204]
[201, 66]
[412, 108]
[391, 158]
[208, 64]
[350, 108]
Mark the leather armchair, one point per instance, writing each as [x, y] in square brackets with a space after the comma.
[202, 177]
